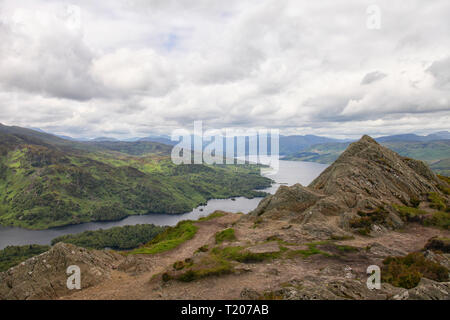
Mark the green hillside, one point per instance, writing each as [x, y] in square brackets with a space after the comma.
[46, 185]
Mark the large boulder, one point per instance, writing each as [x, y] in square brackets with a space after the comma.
[294, 199]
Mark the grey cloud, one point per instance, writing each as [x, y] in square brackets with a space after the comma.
[373, 77]
[441, 72]
[46, 59]
[291, 64]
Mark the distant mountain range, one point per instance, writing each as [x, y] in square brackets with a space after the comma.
[433, 148]
[441, 135]
[288, 144]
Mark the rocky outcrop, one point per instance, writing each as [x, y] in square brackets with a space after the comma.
[371, 175]
[360, 187]
[44, 276]
[331, 288]
[426, 290]
[291, 199]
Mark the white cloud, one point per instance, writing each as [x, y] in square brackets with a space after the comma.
[134, 72]
[138, 66]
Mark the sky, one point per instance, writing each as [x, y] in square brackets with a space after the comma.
[133, 68]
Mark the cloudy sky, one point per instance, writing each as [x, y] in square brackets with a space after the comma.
[131, 68]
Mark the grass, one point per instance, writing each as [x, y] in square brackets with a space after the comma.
[218, 262]
[280, 241]
[240, 254]
[208, 266]
[312, 250]
[171, 238]
[410, 214]
[438, 219]
[406, 272]
[341, 238]
[346, 248]
[222, 260]
[225, 235]
[214, 215]
[436, 201]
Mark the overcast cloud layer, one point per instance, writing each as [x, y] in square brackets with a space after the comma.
[131, 68]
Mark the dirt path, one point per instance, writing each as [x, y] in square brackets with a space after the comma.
[259, 276]
[124, 285]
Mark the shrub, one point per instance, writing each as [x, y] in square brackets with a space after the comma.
[365, 220]
[178, 265]
[203, 248]
[438, 219]
[436, 201]
[407, 271]
[414, 202]
[438, 244]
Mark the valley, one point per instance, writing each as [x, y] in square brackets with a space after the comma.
[370, 207]
[48, 182]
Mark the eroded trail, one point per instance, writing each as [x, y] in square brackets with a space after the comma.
[268, 276]
[134, 284]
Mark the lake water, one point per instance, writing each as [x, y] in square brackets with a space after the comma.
[289, 173]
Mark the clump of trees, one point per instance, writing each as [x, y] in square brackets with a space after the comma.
[118, 238]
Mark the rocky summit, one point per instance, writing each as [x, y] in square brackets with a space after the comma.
[371, 207]
[366, 182]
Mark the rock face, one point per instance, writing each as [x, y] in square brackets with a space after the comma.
[368, 173]
[44, 276]
[327, 288]
[292, 199]
[367, 178]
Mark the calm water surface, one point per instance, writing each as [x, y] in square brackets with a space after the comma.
[289, 173]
